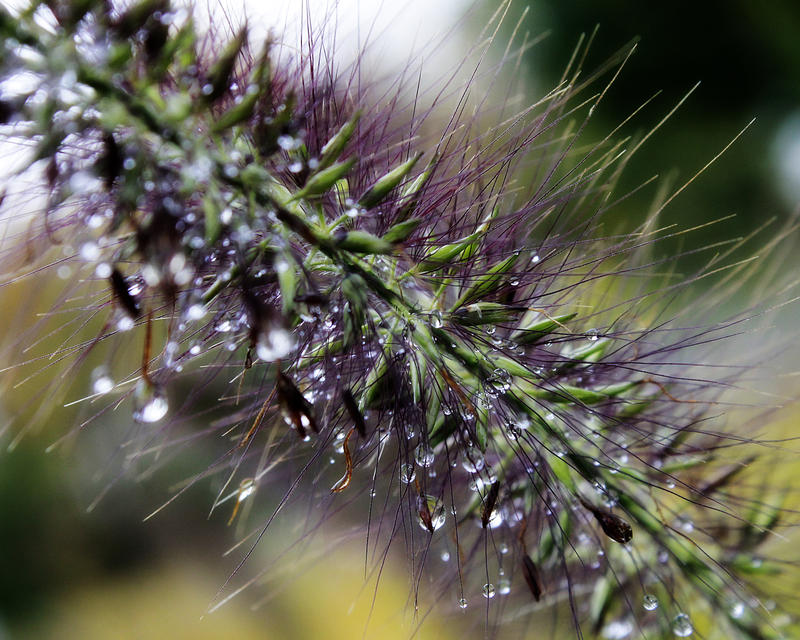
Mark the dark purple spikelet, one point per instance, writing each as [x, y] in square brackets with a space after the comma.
[314, 276]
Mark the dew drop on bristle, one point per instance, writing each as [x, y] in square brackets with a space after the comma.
[424, 456]
[102, 383]
[152, 406]
[195, 312]
[90, 252]
[407, 473]
[246, 489]
[737, 610]
[103, 270]
[275, 344]
[682, 626]
[489, 591]
[435, 511]
[504, 586]
[650, 602]
[473, 460]
[618, 630]
[462, 603]
[125, 323]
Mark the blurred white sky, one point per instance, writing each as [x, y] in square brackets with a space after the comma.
[393, 29]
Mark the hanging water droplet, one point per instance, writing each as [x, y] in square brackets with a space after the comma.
[618, 630]
[592, 335]
[195, 312]
[103, 270]
[151, 403]
[407, 473]
[495, 520]
[445, 556]
[650, 602]
[462, 603]
[125, 323]
[436, 512]
[89, 251]
[488, 591]
[473, 460]
[288, 143]
[504, 586]
[503, 548]
[682, 626]
[737, 610]
[436, 319]
[102, 382]
[276, 343]
[246, 489]
[499, 381]
[424, 455]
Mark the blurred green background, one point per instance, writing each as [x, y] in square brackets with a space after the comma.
[66, 573]
[746, 56]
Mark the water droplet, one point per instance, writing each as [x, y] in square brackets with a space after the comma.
[436, 319]
[89, 251]
[534, 258]
[489, 591]
[682, 626]
[445, 556]
[503, 548]
[424, 455]
[462, 603]
[103, 270]
[737, 610]
[151, 404]
[195, 312]
[407, 473]
[102, 382]
[592, 335]
[472, 460]
[246, 489]
[618, 629]
[495, 520]
[436, 511]
[288, 143]
[125, 323]
[499, 381]
[504, 586]
[650, 602]
[275, 344]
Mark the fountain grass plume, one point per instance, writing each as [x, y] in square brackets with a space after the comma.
[314, 275]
